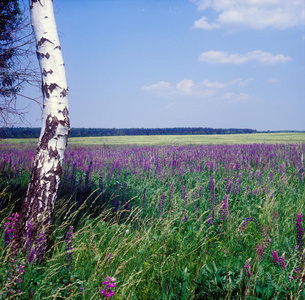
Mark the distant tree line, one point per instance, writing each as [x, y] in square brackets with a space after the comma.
[27, 132]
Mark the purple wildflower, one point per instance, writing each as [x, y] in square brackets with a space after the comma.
[275, 257]
[40, 246]
[300, 172]
[225, 210]
[32, 254]
[248, 267]
[109, 284]
[247, 220]
[212, 186]
[260, 251]
[9, 229]
[210, 220]
[236, 187]
[271, 176]
[300, 233]
[69, 249]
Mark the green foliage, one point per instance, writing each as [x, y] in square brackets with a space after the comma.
[10, 17]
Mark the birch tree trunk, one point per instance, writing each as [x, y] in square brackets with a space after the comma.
[47, 167]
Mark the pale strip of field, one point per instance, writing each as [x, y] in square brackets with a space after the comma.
[259, 138]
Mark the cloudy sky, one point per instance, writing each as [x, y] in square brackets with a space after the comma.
[183, 63]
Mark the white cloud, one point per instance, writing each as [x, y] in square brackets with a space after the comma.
[203, 24]
[257, 55]
[161, 86]
[213, 85]
[208, 90]
[256, 14]
[221, 85]
[185, 86]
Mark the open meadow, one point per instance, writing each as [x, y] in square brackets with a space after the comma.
[219, 139]
[162, 217]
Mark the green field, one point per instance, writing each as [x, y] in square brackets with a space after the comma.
[259, 138]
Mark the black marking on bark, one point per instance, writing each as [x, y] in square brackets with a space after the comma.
[44, 88]
[53, 86]
[48, 89]
[49, 132]
[53, 153]
[45, 72]
[65, 112]
[42, 41]
[57, 47]
[42, 55]
[64, 92]
[34, 1]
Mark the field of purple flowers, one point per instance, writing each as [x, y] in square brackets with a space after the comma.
[167, 222]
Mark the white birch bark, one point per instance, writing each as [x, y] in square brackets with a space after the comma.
[47, 167]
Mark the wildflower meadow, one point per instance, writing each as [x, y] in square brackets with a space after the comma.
[160, 222]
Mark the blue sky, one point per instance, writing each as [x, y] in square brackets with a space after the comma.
[183, 63]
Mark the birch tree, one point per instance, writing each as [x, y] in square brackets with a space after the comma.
[41, 195]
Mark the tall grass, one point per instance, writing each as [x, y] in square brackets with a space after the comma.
[172, 222]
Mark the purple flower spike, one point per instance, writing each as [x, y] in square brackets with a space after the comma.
[225, 210]
[210, 220]
[107, 292]
[31, 257]
[275, 257]
[260, 251]
[271, 176]
[40, 246]
[300, 233]
[248, 267]
[69, 249]
[9, 229]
